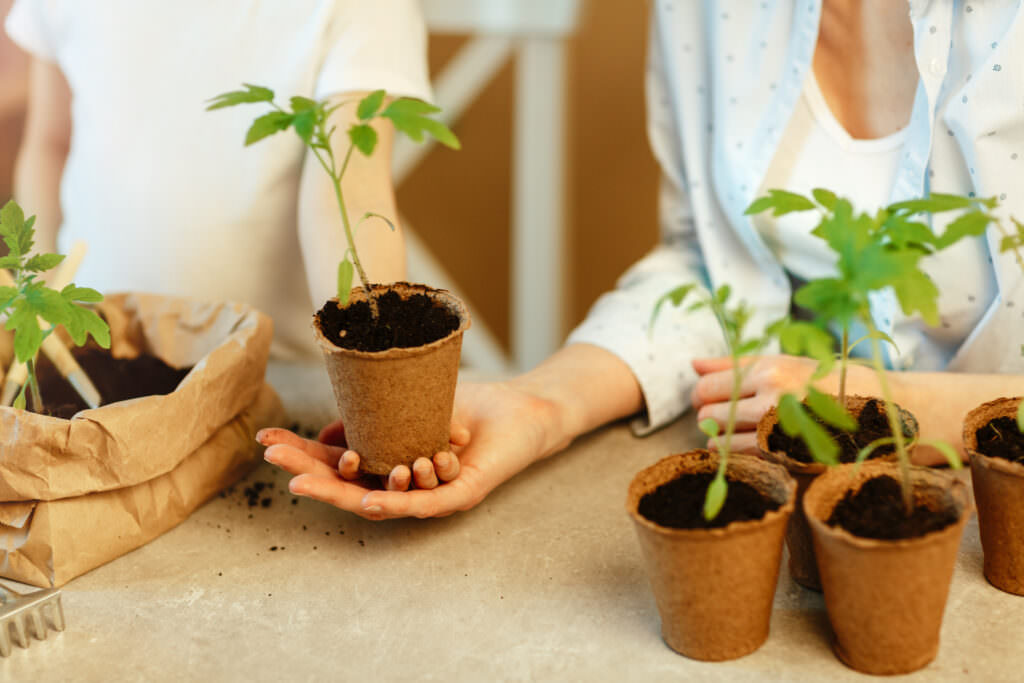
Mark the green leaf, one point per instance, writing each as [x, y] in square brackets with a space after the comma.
[826, 198]
[708, 426]
[345, 274]
[802, 338]
[301, 104]
[83, 321]
[971, 224]
[830, 410]
[27, 334]
[1020, 416]
[715, 497]
[304, 124]
[252, 93]
[409, 117]
[7, 294]
[17, 233]
[43, 262]
[10, 261]
[952, 457]
[73, 293]
[268, 124]
[676, 296]
[364, 137]
[722, 294]
[780, 202]
[441, 133]
[866, 451]
[370, 105]
[795, 421]
[371, 214]
[937, 202]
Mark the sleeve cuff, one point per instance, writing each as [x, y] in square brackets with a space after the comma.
[25, 27]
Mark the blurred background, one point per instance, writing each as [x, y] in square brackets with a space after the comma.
[563, 172]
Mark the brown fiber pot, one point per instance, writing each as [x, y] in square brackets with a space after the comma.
[714, 587]
[999, 496]
[885, 599]
[802, 565]
[396, 405]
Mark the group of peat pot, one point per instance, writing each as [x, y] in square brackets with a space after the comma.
[885, 574]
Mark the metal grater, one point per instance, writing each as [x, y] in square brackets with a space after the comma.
[24, 613]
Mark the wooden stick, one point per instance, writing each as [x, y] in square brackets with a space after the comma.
[54, 349]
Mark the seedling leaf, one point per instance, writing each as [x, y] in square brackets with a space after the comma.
[952, 457]
[830, 411]
[780, 202]
[43, 262]
[370, 105]
[714, 499]
[252, 93]
[364, 137]
[709, 426]
[268, 124]
[795, 421]
[345, 273]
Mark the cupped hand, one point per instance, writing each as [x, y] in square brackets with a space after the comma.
[496, 432]
[766, 379]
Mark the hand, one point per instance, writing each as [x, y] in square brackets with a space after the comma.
[496, 431]
[767, 379]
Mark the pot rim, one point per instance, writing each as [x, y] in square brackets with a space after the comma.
[770, 419]
[1000, 407]
[752, 526]
[957, 487]
[405, 289]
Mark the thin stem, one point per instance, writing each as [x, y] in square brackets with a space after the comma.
[894, 423]
[37, 397]
[844, 356]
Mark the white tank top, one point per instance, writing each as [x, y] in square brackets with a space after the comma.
[816, 151]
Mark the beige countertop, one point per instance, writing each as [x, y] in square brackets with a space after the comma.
[542, 581]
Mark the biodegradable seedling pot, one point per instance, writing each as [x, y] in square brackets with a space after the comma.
[885, 599]
[396, 404]
[802, 565]
[999, 495]
[714, 587]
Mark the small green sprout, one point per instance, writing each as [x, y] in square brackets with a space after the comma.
[874, 253]
[731, 322]
[30, 301]
[1013, 240]
[310, 119]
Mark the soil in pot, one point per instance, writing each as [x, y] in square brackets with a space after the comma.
[876, 511]
[116, 379]
[1001, 438]
[679, 504]
[872, 424]
[403, 323]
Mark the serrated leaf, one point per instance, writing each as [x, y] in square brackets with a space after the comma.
[10, 261]
[304, 123]
[971, 224]
[7, 294]
[252, 93]
[40, 263]
[82, 322]
[714, 499]
[300, 104]
[87, 295]
[370, 105]
[27, 334]
[709, 426]
[937, 202]
[441, 133]
[364, 137]
[345, 274]
[266, 125]
[409, 117]
[830, 410]
[780, 202]
[826, 198]
[47, 303]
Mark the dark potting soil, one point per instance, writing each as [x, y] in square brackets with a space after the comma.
[403, 323]
[1001, 438]
[679, 504]
[872, 424]
[117, 379]
[876, 511]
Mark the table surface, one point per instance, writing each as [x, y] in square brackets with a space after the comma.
[542, 581]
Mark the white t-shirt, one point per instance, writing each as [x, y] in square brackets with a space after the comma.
[816, 151]
[163, 192]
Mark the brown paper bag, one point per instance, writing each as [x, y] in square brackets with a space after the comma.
[77, 493]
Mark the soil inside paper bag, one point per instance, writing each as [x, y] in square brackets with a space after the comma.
[117, 379]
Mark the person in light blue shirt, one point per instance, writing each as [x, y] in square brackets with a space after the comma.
[879, 100]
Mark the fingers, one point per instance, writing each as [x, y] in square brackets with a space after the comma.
[399, 479]
[330, 455]
[459, 434]
[297, 461]
[331, 490]
[333, 434]
[706, 365]
[742, 442]
[447, 466]
[748, 412]
[348, 466]
[716, 387]
[437, 502]
[423, 474]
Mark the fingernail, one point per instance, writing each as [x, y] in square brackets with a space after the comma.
[269, 454]
[373, 509]
[259, 437]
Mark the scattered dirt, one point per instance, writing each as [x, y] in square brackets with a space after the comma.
[1001, 438]
[117, 379]
[403, 323]
[876, 511]
[679, 504]
[872, 424]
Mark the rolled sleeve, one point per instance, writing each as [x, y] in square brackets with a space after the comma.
[28, 26]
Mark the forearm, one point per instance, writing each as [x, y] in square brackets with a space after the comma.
[584, 387]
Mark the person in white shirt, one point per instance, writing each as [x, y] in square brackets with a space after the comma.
[876, 99]
[120, 152]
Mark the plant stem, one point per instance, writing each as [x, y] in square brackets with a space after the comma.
[894, 423]
[33, 383]
[844, 355]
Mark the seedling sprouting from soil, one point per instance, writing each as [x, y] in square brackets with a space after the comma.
[731, 322]
[874, 253]
[310, 119]
[1012, 240]
[30, 301]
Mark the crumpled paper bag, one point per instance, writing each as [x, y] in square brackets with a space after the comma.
[77, 493]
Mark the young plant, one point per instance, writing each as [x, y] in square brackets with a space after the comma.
[310, 119]
[731, 322]
[1013, 240]
[30, 302]
[874, 253]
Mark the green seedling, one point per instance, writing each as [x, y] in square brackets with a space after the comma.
[731, 322]
[311, 121]
[1013, 240]
[874, 253]
[30, 300]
